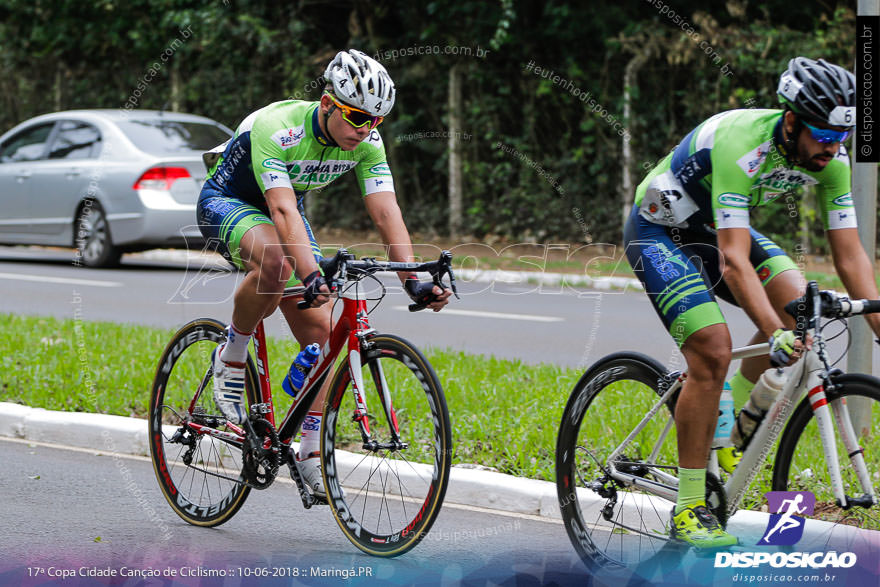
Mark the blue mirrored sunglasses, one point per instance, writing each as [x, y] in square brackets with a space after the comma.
[827, 135]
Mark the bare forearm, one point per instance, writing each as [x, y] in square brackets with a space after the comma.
[749, 293]
[857, 276]
[389, 222]
[294, 240]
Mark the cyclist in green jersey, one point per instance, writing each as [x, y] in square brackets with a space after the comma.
[688, 240]
[252, 206]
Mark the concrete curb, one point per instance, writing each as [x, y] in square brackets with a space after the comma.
[200, 260]
[467, 486]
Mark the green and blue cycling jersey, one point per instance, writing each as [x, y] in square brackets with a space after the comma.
[725, 167]
[280, 145]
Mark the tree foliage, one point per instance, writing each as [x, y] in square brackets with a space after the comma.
[541, 154]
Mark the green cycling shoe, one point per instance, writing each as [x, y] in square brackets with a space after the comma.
[728, 458]
[698, 527]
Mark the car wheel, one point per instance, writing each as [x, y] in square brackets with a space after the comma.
[94, 247]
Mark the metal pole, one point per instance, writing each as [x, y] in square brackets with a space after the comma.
[864, 184]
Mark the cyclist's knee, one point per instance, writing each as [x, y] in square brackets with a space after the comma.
[708, 351]
[274, 271]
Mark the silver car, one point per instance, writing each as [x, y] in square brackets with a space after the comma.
[105, 181]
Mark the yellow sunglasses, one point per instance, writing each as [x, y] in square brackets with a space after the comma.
[356, 118]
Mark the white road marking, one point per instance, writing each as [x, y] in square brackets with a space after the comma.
[498, 315]
[60, 280]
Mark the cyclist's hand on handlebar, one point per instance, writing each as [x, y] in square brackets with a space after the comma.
[426, 293]
[317, 293]
[785, 348]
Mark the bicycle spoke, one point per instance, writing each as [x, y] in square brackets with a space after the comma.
[399, 485]
[596, 433]
[199, 474]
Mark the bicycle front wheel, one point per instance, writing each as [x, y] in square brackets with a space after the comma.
[196, 459]
[799, 466]
[386, 481]
[615, 525]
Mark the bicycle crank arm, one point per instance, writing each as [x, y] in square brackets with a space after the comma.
[308, 498]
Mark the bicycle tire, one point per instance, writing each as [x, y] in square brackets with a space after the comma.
[619, 386]
[391, 497]
[210, 489]
[798, 466]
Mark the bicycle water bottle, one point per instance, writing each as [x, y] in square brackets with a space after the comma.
[762, 397]
[725, 419]
[299, 368]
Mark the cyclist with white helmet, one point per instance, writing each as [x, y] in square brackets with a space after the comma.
[252, 206]
[688, 240]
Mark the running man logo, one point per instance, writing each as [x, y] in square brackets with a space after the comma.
[785, 527]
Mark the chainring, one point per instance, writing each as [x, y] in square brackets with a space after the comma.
[261, 454]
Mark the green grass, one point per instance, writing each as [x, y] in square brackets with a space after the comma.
[505, 414]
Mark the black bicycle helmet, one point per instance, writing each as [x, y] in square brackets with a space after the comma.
[819, 91]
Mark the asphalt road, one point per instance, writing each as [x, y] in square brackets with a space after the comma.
[534, 323]
[68, 509]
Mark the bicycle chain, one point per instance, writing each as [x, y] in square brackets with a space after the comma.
[261, 454]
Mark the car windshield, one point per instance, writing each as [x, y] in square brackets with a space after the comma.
[173, 136]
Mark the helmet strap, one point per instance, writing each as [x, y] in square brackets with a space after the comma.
[789, 146]
[331, 142]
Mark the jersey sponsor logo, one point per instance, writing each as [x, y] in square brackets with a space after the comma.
[844, 200]
[316, 173]
[381, 169]
[734, 200]
[752, 161]
[272, 179]
[784, 180]
[289, 137]
[374, 138]
[731, 218]
[663, 261]
[375, 184]
[841, 219]
[273, 163]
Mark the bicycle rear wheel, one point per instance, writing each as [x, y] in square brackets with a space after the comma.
[612, 525]
[196, 459]
[394, 482]
[799, 465]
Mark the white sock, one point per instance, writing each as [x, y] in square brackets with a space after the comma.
[235, 349]
[310, 441]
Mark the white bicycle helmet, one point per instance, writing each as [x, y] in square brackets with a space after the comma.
[361, 81]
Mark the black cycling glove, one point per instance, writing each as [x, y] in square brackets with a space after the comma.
[420, 292]
[313, 283]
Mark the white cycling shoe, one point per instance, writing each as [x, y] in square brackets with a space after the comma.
[310, 469]
[229, 389]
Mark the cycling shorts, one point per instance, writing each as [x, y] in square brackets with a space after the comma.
[223, 221]
[681, 272]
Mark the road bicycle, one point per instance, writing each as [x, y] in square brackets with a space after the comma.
[616, 455]
[385, 436]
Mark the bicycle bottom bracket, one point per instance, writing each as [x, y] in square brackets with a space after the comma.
[261, 454]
